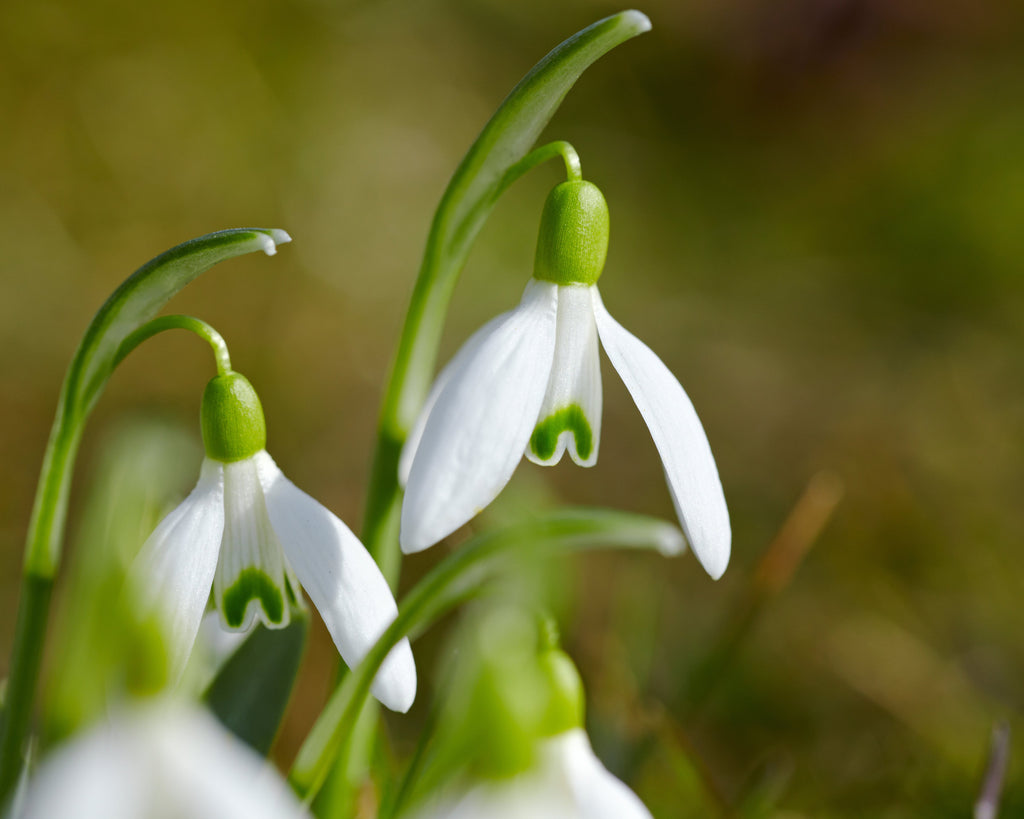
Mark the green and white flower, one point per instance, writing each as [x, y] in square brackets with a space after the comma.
[257, 540]
[535, 701]
[162, 759]
[567, 781]
[530, 381]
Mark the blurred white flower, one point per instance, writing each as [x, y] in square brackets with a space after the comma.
[163, 760]
[257, 540]
[530, 380]
[567, 782]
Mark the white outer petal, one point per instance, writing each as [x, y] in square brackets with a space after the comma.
[480, 424]
[596, 792]
[99, 775]
[575, 374]
[212, 774]
[343, 581]
[173, 572]
[534, 794]
[679, 437]
[466, 351]
[158, 760]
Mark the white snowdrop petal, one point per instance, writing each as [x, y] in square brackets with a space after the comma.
[100, 775]
[208, 773]
[250, 577]
[164, 759]
[532, 794]
[342, 580]
[679, 437]
[596, 792]
[466, 352]
[481, 422]
[174, 570]
[570, 415]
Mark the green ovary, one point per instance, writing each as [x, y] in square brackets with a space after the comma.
[571, 418]
[252, 584]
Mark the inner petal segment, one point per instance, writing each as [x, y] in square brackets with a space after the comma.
[570, 416]
[253, 579]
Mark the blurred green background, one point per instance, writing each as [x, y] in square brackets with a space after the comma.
[818, 223]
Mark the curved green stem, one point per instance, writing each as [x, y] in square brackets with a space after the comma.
[193, 325]
[135, 302]
[558, 148]
[29, 636]
[459, 577]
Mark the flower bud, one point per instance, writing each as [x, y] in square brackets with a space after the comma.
[564, 710]
[232, 419]
[573, 240]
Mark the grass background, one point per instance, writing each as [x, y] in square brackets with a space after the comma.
[817, 211]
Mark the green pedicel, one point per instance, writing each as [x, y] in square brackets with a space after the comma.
[232, 419]
[252, 584]
[573, 241]
[571, 418]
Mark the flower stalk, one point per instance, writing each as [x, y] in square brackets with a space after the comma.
[193, 325]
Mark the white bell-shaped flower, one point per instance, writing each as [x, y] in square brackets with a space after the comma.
[165, 759]
[530, 381]
[567, 781]
[257, 540]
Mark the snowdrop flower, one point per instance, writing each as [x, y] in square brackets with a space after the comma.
[567, 782]
[563, 778]
[160, 760]
[251, 534]
[530, 380]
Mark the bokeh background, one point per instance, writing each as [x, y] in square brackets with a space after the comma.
[818, 223]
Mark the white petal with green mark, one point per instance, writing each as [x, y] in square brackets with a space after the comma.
[570, 416]
[481, 422]
[679, 437]
[342, 580]
[250, 579]
[174, 569]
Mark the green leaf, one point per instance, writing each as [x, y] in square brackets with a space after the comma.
[250, 692]
[460, 576]
[134, 303]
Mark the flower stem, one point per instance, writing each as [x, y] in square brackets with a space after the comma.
[194, 325]
[29, 637]
[573, 169]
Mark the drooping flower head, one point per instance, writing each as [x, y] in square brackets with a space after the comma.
[257, 540]
[529, 382]
[530, 755]
[162, 759]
